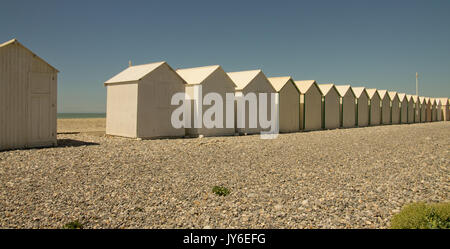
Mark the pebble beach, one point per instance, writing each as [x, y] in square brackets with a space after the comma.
[344, 178]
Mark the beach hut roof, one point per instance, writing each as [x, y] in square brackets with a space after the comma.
[402, 96]
[15, 41]
[358, 91]
[343, 89]
[304, 85]
[415, 98]
[135, 73]
[444, 101]
[372, 92]
[392, 94]
[196, 75]
[325, 88]
[243, 78]
[421, 99]
[279, 82]
[382, 93]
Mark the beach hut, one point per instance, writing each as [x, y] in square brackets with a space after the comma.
[330, 106]
[289, 95]
[310, 105]
[138, 102]
[254, 82]
[423, 106]
[445, 109]
[433, 109]
[200, 82]
[375, 107]
[417, 108]
[362, 106]
[347, 106]
[403, 108]
[410, 108]
[438, 110]
[428, 109]
[395, 107]
[27, 98]
[385, 107]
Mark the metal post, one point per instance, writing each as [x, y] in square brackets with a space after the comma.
[417, 84]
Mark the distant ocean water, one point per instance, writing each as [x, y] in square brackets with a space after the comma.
[80, 115]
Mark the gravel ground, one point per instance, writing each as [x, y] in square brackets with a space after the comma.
[71, 125]
[348, 178]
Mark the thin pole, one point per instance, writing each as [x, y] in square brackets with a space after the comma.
[417, 84]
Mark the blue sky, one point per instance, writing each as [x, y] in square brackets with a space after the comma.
[378, 44]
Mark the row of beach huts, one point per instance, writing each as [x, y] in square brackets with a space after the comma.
[139, 101]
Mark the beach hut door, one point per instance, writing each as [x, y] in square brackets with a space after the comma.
[40, 107]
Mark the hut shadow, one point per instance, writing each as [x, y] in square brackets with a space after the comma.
[68, 133]
[62, 143]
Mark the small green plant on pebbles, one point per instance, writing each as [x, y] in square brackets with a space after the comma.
[423, 216]
[73, 225]
[220, 191]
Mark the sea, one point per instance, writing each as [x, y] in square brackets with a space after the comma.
[80, 115]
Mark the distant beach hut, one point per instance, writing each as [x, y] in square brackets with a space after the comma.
[375, 107]
[27, 98]
[289, 107]
[433, 110]
[445, 109]
[210, 79]
[253, 82]
[423, 107]
[330, 106]
[362, 106]
[347, 106]
[411, 108]
[417, 109]
[403, 108]
[310, 105]
[438, 110]
[138, 102]
[385, 107]
[428, 109]
[395, 107]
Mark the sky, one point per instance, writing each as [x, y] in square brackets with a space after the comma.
[376, 44]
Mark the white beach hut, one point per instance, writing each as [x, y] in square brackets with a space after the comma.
[330, 106]
[205, 80]
[423, 107]
[438, 110]
[433, 110]
[348, 106]
[411, 108]
[251, 82]
[385, 107]
[27, 98]
[417, 109]
[445, 109]
[428, 109]
[138, 103]
[403, 108]
[310, 105]
[289, 107]
[375, 107]
[362, 106]
[395, 107]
